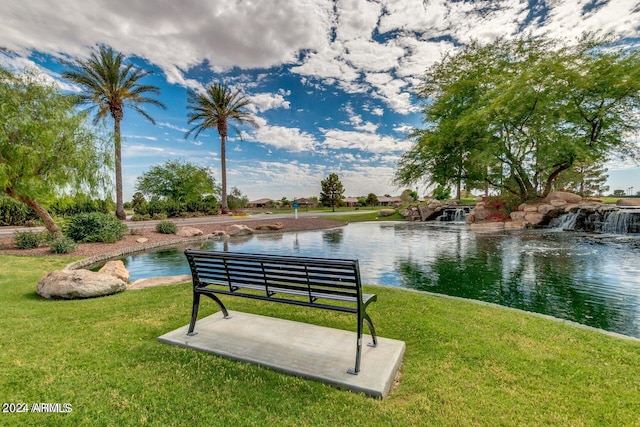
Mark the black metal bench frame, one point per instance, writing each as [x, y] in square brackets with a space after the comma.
[331, 284]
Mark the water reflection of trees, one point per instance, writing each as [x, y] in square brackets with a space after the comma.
[333, 237]
[528, 280]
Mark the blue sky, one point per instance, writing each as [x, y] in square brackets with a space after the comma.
[332, 82]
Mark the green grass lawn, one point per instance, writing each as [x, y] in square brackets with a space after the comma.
[465, 364]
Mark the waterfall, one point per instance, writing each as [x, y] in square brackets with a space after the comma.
[566, 222]
[460, 215]
[453, 214]
[618, 221]
[622, 221]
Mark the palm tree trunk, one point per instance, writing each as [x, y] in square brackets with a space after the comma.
[223, 166]
[118, 148]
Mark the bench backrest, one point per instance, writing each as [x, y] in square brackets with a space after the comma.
[309, 281]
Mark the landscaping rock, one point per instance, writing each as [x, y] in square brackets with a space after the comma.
[142, 240]
[545, 209]
[274, 226]
[515, 225]
[487, 226]
[218, 234]
[563, 195]
[386, 212]
[189, 232]
[116, 269]
[77, 284]
[534, 218]
[239, 230]
[628, 202]
[518, 215]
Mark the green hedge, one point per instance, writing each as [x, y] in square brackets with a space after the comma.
[95, 227]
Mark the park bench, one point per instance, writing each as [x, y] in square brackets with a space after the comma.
[330, 284]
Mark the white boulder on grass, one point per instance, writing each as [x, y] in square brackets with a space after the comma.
[77, 284]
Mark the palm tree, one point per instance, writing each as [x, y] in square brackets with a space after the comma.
[217, 108]
[108, 85]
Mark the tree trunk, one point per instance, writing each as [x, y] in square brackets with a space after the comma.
[118, 149]
[42, 213]
[223, 166]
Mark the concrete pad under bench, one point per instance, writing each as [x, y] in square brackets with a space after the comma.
[296, 348]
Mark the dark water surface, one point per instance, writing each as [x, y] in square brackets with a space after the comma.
[587, 278]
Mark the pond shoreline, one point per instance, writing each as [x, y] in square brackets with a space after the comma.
[129, 244]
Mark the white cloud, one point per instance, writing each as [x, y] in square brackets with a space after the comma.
[368, 142]
[172, 126]
[149, 138]
[288, 139]
[267, 101]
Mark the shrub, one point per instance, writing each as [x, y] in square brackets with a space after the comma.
[69, 206]
[138, 217]
[159, 216]
[166, 227]
[95, 227]
[28, 239]
[13, 212]
[62, 245]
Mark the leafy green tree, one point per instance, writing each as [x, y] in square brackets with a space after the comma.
[585, 180]
[177, 181]
[236, 199]
[138, 199]
[108, 85]
[516, 114]
[618, 193]
[46, 146]
[332, 191]
[442, 193]
[409, 196]
[218, 108]
[372, 200]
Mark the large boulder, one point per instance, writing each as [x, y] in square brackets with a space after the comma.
[239, 230]
[75, 284]
[563, 195]
[386, 212]
[628, 202]
[189, 232]
[116, 269]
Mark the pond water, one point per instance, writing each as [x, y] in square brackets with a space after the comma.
[587, 278]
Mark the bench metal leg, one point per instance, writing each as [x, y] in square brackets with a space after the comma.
[372, 330]
[196, 305]
[356, 369]
[194, 314]
[364, 318]
[220, 304]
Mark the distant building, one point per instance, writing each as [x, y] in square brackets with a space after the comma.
[382, 201]
[389, 201]
[260, 203]
[350, 201]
